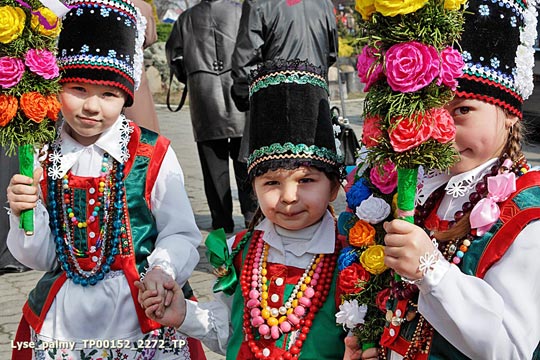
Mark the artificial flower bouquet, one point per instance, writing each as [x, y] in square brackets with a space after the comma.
[410, 70]
[363, 279]
[29, 78]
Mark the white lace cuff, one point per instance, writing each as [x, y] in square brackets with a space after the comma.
[434, 276]
[163, 265]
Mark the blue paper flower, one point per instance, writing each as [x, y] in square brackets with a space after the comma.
[357, 193]
[347, 257]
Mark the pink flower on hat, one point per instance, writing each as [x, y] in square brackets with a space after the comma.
[409, 133]
[410, 66]
[451, 68]
[42, 62]
[444, 129]
[11, 71]
[369, 69]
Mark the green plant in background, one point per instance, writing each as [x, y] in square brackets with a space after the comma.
[163, 31]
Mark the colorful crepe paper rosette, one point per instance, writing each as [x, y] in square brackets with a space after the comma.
[410, 70]
[363, 277]
[29, 77]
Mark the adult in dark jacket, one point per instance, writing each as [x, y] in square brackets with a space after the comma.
[203, 38]
[282, 29]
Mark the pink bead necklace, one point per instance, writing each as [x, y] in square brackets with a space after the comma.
[274, 321]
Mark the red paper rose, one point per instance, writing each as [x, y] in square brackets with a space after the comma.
[352, 279]
[410, 133]
[444, 129]
[371, 131]
[382, 298]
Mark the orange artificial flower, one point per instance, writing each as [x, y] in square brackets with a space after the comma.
[362, 234]
[34, 105]
[8, 108]
[53, 107]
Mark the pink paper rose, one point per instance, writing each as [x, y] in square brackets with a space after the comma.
[410, 66]
[410, 133]
[368, 66]
[385, 178]
[371, 131]
[444, 129]
[451, 68]
[11, 71]
[42, 62]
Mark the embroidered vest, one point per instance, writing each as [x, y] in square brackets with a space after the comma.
[147, 150]
[325, 338]
[518, 211]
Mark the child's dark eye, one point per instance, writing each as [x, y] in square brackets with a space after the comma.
[271, 182]
[307, 180]
[462, 110]
[110, 94]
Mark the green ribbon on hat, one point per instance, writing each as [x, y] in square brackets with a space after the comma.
[222, 261]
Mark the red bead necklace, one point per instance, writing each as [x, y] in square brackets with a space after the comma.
[302, 327]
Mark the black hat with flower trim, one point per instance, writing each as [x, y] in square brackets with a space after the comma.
[101, 43]
[290, 119]
[497, 48]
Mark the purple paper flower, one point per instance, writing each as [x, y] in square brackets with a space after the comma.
[451, 68]
[411, 66]
[369, 69]
[42, 62]
[11, 71]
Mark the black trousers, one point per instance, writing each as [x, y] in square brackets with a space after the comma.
[9, 166]
[214, 157]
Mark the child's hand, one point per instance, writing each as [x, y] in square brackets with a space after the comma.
[22, 192]
[353, 351]
[175, 312]
[405, 244]
[154, 280]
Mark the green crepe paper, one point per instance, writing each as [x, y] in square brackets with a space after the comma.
[366, 346]
[220, 258]
[406, 190]
[26, 167]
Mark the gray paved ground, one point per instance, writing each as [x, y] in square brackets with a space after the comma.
[15, 287]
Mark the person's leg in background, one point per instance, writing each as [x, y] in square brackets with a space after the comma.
[248, 202]
[9, 166]
[214, 158]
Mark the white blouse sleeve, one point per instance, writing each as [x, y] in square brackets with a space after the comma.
[209, 322]
[491, 318]
[178, 234]
[38, 251]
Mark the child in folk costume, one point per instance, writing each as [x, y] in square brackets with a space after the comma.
[111, 206]
[283, 303]
[469, 289]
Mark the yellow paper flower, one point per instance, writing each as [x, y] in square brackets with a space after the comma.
[11, 23]
[398, 7]
[365, 7]
[453, 4]
[52, 19]
[372, 259]
[394, 206]
[362, 234]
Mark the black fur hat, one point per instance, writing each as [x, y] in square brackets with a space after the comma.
[497, 48]
[290, 118]
[101, 44]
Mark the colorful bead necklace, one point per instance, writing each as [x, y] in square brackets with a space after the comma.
[452, 250]
[297, 313]
[112, 226]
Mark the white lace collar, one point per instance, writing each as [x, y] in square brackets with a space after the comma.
[456, 186]
[66, 151]
[322, 240]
